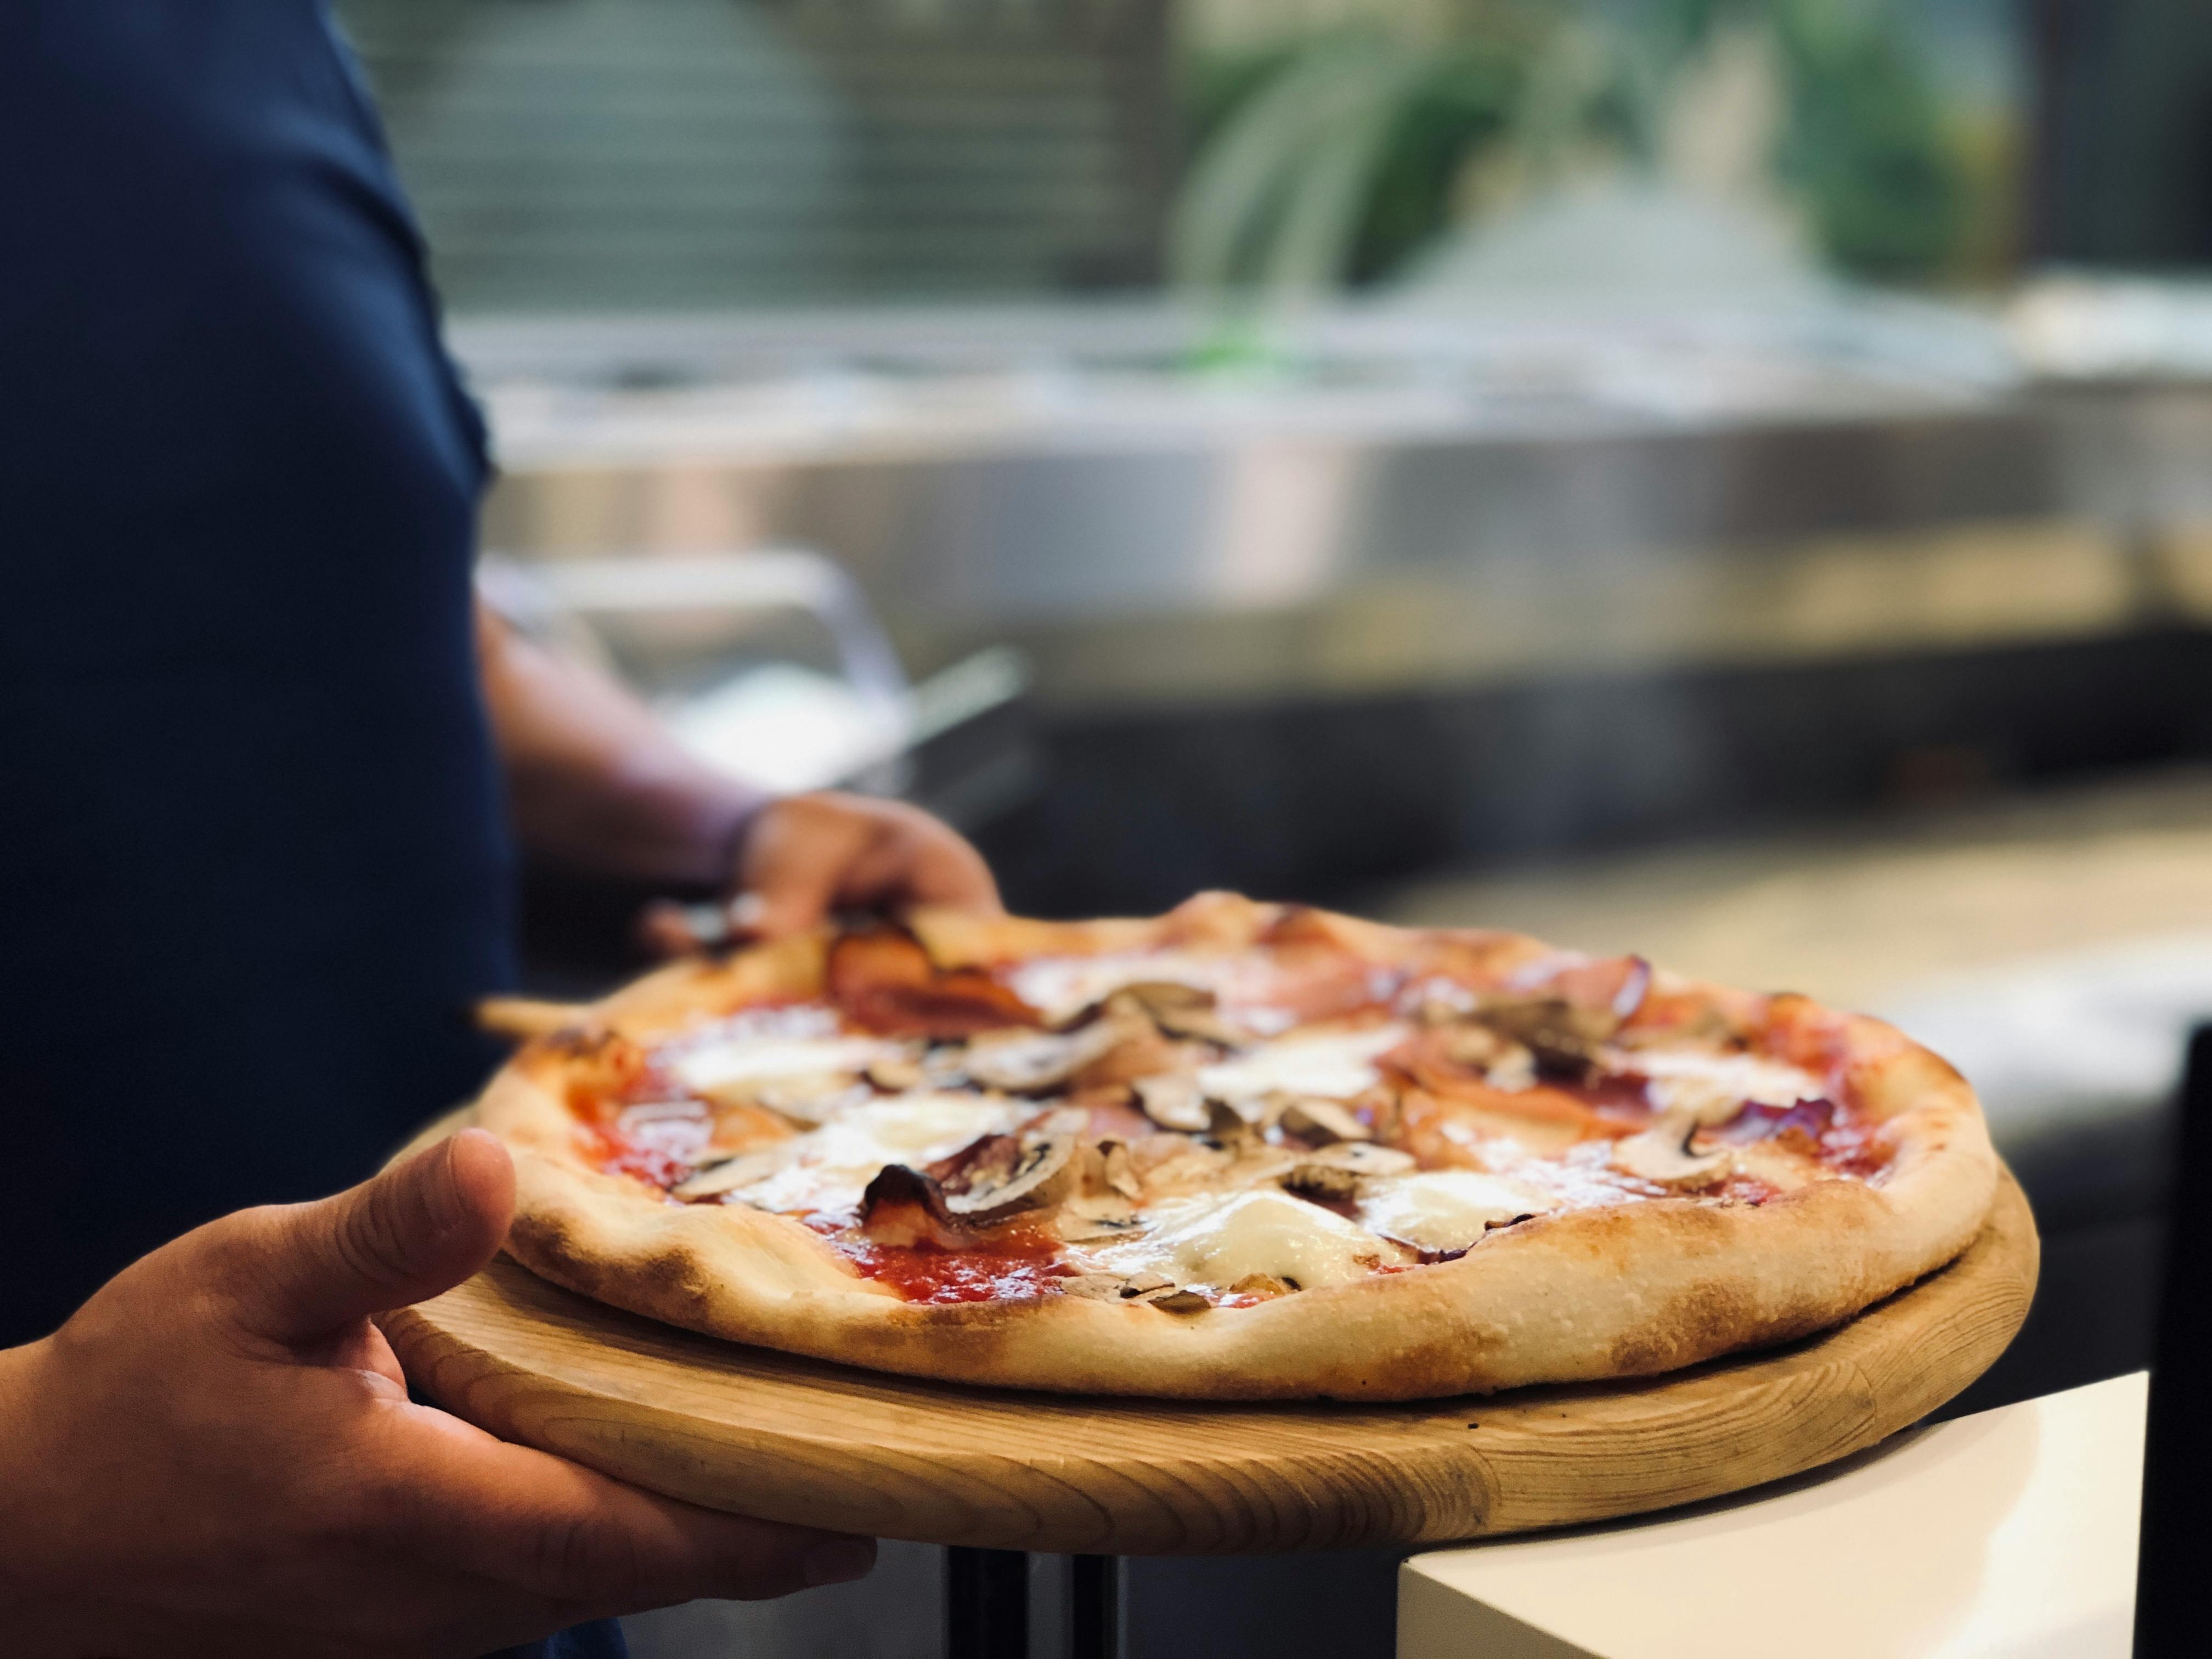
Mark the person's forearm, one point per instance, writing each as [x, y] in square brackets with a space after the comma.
[595, 782]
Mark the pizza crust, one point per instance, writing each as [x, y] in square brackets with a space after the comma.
[1624, 1291]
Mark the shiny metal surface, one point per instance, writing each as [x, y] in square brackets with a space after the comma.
[1399, 534]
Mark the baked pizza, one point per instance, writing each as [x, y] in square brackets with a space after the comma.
[1239, 1152]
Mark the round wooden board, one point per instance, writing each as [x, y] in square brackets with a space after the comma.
[791, 1439]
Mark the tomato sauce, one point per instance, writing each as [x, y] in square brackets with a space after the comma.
[1742, 1189]
[617, 1155]
[1856, 1149]
[1817, 1128]
[1615, 1100]
[1804, 1034]
[922, 1273]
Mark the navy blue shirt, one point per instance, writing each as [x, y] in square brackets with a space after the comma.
[253, 865]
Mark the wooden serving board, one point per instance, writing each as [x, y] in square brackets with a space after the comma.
[791, 1439]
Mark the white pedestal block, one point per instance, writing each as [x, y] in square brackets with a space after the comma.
[2007, 1536]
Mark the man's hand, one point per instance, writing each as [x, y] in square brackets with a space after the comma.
[217, 1456]
[805, 855]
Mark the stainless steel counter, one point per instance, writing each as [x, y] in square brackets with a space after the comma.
[1369, 516]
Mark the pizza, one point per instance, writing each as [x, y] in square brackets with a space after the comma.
[1239, 1152]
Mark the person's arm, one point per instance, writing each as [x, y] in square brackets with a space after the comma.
[217, 1456]
[594, 780]
[597, 783]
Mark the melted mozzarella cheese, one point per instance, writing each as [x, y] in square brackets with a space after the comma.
[835, 1164]
[1447, 1209]
[1714, 1088]
[1336, 1066]
[1217, 1242]
[747, 1060]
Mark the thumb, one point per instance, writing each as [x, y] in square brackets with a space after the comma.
[419, 1228]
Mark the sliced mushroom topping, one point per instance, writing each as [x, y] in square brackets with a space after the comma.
[1440, 1214]
[1119, 1171]
[1328, 1183]
[1154, 1290]
[809, 1100]
[1333, 1173]
[1092, 1287]
[727, 1175]
[1108, 1166]
[1038, 1174]
[1027, 1062]
[1563, 1036]
[1265, 1285]
[1504, 1062]
[1173, 1102]
[1364, 1158]
[1160, 1291]
[1179, 1011]
[896, 1076]
[1171, 1164]
[1322, 1122]
[944, 1066]
[1080, 1226]
[1226, 1124]
[1177, 1302]
[1662, 1153]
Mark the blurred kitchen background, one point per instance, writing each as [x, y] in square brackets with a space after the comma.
[1732, 480]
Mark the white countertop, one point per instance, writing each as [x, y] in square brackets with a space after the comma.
[2012, 1533]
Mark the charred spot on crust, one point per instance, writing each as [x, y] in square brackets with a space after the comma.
[676, 1275]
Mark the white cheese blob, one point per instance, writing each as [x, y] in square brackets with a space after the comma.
[1713, 1088]
[835, 1162]
[1335, 1066]
[750, 1059]
[1219, 1241]
[1447, 1209]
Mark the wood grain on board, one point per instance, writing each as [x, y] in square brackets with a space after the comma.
[793, 1439]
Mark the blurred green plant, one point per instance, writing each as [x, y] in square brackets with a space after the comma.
[1866, 149]
[1331, 160]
